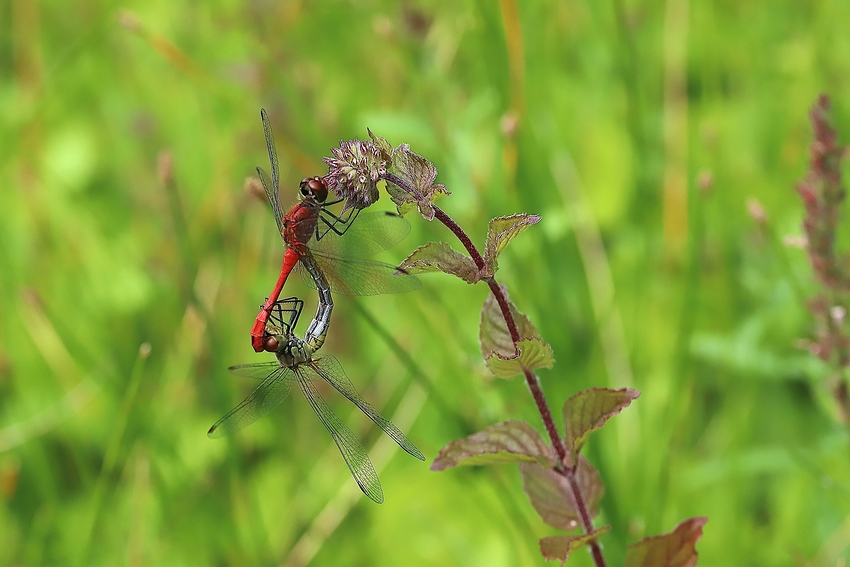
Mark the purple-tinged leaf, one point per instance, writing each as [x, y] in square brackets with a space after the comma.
[506, 442]
[499, 233]
[533, 353]
[590, 409]
[440, 257]
[419, 174]
[560, 547]
[675, 549]
[550, 494]
[493, 331]
[503, 358]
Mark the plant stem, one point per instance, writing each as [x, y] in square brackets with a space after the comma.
[584, 514]
[533, 385]
[441, 216]
[569, 472]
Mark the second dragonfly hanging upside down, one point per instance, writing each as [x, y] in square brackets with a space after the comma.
[298, 364]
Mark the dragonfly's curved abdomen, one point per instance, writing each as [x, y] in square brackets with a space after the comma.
[318, 329]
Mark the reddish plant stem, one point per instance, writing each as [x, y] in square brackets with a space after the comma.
[498, 292]
[533, 385]
[530, 378]
[584, 514]
[441, 216]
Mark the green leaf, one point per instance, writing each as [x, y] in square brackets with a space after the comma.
[560, 547]
[503, 358]
[506, 442]
[440, 257]
[550, 494]
[675, 549]
[590, 409]
[533, 353]
[493, 330]
[419, 174]
[500, 232]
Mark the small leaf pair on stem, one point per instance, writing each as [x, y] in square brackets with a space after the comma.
[562, 485]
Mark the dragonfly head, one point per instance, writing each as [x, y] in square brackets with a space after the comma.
[313, 189]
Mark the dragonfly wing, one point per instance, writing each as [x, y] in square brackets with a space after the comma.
[348, 444]
[367, 235]
[260, 371]
[271, 194]
[268, 395]
[273, 188]
[331, 371]
[354, 276]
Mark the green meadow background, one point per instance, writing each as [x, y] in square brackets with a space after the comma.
[659, 142]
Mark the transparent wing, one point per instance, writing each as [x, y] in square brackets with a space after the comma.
[367, 235]
[273, 188]
[348, 444]
[268, 395]
[272, 197]
[260, 371]
[354, 276]
[330, 369]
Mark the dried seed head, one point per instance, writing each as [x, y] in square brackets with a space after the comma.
[354, 171]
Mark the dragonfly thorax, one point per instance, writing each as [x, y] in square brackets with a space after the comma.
[292, 351]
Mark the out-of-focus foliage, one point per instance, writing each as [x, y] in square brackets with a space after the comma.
[637, 131]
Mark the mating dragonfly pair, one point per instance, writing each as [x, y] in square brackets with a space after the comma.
[312, 235]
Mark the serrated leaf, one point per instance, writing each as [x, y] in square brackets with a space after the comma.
[419, 174]
[675, 549]
[502, 358]
[533, 353]
[440, 257]
[507, 442]
[590, 409]
[500, 232]
[493, 331]
[560, 547]
[551, 496]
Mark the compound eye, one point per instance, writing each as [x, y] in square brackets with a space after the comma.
[271, 344]
[304, 187]
[319, 188]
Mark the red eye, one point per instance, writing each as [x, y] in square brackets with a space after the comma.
[271, 344]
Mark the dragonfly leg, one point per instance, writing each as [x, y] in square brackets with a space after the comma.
[337, 224]
[285, 314]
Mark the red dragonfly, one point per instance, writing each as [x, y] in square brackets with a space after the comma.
[339, 259]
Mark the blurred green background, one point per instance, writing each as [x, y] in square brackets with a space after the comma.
[638, 131]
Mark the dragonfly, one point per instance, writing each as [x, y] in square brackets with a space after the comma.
[341, 260]
[296, 364]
